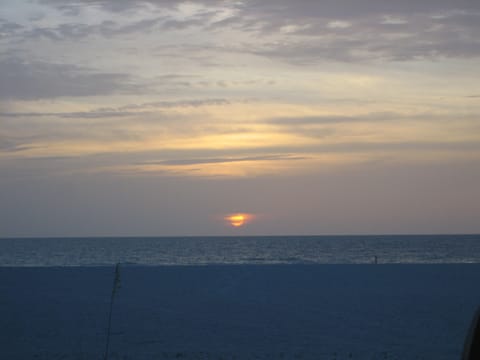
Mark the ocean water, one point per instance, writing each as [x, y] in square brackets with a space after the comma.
[386, 249]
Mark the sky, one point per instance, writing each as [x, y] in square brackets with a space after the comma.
[165, 117]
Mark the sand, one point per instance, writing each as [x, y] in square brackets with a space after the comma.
[239, 312]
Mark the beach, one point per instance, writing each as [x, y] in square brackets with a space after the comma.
[415, 311]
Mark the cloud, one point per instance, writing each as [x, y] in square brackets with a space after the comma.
[222, 160]
[71, 7]
[299, 121]
[385, 147]
[10, 144]
[117, 25]
[300, 8]
[372, 40]
[120, 111]
[122, 5]
[330, 126]
[74, 31]
[121, 26]
[40, 80]
[178, 103]
[370, 117]
[311, 32]
[293, 160]
[284, 11]
[94, 114]
[300, 32]
[8, 28]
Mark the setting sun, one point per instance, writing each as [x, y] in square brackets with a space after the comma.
[238, 220]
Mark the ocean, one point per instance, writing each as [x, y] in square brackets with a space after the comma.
[383, 249]
[290, 297]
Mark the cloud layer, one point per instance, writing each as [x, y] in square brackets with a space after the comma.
[293, 109]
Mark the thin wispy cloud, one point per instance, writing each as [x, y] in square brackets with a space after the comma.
[181, 162]
[121, 111]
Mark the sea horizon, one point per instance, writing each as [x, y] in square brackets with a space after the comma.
[213, 250]
[238, 236]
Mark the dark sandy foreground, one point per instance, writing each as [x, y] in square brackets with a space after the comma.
[239, 312]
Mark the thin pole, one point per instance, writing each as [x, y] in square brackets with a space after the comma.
[116, 285]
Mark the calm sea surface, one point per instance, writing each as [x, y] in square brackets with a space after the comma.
[240, 250]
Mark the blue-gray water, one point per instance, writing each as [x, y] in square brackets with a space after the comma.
[405, 249]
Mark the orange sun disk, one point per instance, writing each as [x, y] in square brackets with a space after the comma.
[237, 220]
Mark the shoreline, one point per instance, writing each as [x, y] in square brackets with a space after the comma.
[253, 264]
